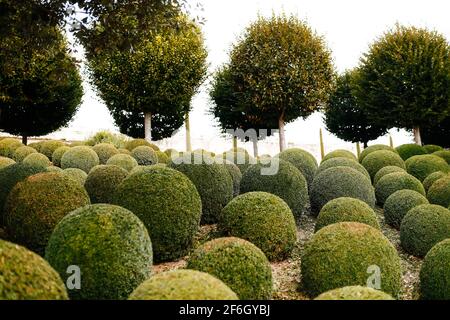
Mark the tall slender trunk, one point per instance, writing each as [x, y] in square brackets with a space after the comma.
[25, 139]
[148, 126]
[417, 137]
[281, 133]
[322, 147]
[234, 143]
[255, 147]
[188, 133]
[358, 149]
[365, 144]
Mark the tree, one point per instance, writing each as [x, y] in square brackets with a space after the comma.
[283, 71]
[438, 133]
[404, 79]
[343, 116]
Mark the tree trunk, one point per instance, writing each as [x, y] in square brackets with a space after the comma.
[234, 143]
[188, 133]
[365, 144]
[391, 141]
[25, 139]
[281, 133]
[417, 137]
[148, 126]
[322, 147]
[255, 147]
[358, 149]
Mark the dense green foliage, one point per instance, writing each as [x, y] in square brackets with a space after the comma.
[76, 174]
[4, 162]
[424, 165]
[47, 147]
[8, 146]
[37, 159]
[385, 171]
[80, 157]
[105, 151]
[124, 161]
[407, 151]
[399, 203]
[380, 159]
[439, 192]
[444, 154]
[145, 156]
[431, 148]
[236, 176]
[22, 152]
[303, 161]
[134, 143]
[375, 147]
[340, 153]
[354, 293]
[342, 162]
[57, 155]
[432, 178]
[396, 181]
[435, 273]
[102, 181]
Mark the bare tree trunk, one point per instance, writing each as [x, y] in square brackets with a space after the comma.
[148, 126]
[188, 133]
[391, 141]
[358, 149]
[322, 147]
[25, 139]
[255, 147]
[281, 133]
[365, 144]
[417, 137]
[234, 143]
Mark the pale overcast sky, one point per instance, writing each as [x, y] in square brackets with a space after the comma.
[349, 26]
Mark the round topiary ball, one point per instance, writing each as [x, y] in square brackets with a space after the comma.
[145, 156]
[339, 154]
[347, 254]
[236, 176]
[431, 148]
[183, 285]
[375, 147]
[423, 227]
[212, 180]
[130, 145]
[346, 210]
[81, 157]
[424, 165]
[168, 204]
[57, 155]
[432, 178]
[22, 152]
[354, 293]
[102, 182]
[444, 154]
[439, 192]
[26, 276]
[263, 219]
[162, 157]
[342, 162]
[35, 145]
[4, 162]
[124, 151]
[396, 181]
[303, 161]
[37, 204]
[399, 203]
[77, 174]
[124, 161]
[37, 159]
[238, 263]
[407, 151]
[105, 151]
[385, 171]
[380, 159]
[435, 273]
[47, 147]
[340, 182]
[241, 159]
[8, 146]
[56, 169]
[109, 244]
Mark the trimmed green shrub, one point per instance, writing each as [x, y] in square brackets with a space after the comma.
[354, 293]
[124, 161]
[396, 181]
[241, 159]
[183, 285]
[168, 204]
[399, 203]
[57, 169]
[424, 165]
[340, 182]
[444, 154]
[407, 151]
[432, 178]
[342, 162]
[385, 171]
[375, 147]
[109, 244]
[105, 151]
[38, 159]
[212, 180]
[118, 140]
[345, 254]
[263, 219]
[236, 176]
[303, 161]
[57, 155]
[102, 182]
[8, 146]
[76, 144]
[35, 145]
[130, 145]
[81, 157]
[22, 152]
[288, 183]
[37, 204]
[439, 192]
[346, 210]
[4, 162]
[340, 153]
[170, 151]
[145, 156]
[238, 263]
[431, 148]
[162, 157]
[47, 147]
[26, 276]
[124, 151]
[423, 227]
[380, 159]
[435, 273]
[77, 174]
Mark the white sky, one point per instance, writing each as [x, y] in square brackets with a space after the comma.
[349, 26]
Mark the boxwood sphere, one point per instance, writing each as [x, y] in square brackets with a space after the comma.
[168, 204]
[342, 162]
[435, 273]
[407, 151]
[241, 159]
[22, 152]
[424, 165]
[354, 293]
[238, 263]
[124, 161]
[375, 147]
[212, 180]
[37, 204]
[340, 182]
[236, 176]
[393, 182]
[38, 159]
[444, 154]
[343, 254]
[57, 155]
[26, 276]
[432, 178]
[288, 183]
[4, 162]
[399, 203]
[124, 151]
[47, 147]
[145, 156]
[162, 157]
[346, 210]
[102, 182]
[130, 145]
[439, 192]
[183, 285]
[340, 153]
[109, 244]
[77, 174]
[431, 148]
[423, 227]
[8, 146]
[385, 171]
[303, 161]
[380, 159]
[80, 157]
[105, 151]
[263, 219]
